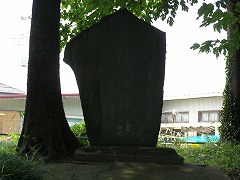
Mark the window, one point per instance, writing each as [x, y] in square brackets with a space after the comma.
[166, 117]
[181, 117]
[208, 116]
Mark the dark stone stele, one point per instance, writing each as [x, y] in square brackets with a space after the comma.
[119, 64]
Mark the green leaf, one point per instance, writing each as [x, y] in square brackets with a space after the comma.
[202, 10]
[184, 6]
[195, 46]
[217, 15]
[217, 27]
[208, 12]
[170, 20]
[237, 9]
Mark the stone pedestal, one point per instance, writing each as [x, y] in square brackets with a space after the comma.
[128, 154]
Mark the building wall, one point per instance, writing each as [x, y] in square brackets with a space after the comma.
[9, 122]
[71, 104]
[12, 104]
[193, 106]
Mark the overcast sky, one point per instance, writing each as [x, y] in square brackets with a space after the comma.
[187, 72]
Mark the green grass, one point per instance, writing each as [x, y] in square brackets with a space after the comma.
[16, 167]
[13, 166]
[225, 155]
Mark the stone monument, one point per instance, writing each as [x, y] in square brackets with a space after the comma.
[119, 64]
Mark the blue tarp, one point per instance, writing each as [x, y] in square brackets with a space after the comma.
[201, 139]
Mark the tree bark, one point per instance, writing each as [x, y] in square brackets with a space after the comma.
[45, 128]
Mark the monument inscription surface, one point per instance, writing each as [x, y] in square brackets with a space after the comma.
[119, 64]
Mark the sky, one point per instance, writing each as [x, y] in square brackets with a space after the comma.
[187, 71]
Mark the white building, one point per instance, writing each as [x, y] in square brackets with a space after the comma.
[194, 111]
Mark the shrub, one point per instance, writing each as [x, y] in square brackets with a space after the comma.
[8, 147]
[80, 131]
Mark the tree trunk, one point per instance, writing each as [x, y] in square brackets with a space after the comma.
[45, 128]
[230, 128]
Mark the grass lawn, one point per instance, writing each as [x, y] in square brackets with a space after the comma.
[225, 156]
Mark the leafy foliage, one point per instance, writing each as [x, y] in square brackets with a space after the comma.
[224, 16]
[229, 128]
[8, 147]
[221, 18]
[80, 131]
[79, 15]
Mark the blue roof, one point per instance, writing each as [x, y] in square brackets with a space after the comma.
[4, 89]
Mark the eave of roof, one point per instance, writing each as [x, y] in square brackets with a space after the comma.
[12, 96]
[192, 96]
[23, 96]
[5, 89]
[168, 98]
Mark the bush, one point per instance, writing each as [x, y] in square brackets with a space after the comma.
[8, 147]
[80, 131]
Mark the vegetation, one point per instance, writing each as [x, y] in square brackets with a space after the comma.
[222, 155]
[80, 131]
[14, 166]
[76, 16]
[225, 16]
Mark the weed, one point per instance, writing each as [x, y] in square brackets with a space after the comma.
[223, 155]
[13, 166]
[16, 167]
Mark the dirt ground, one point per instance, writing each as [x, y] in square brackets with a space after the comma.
[130, 170]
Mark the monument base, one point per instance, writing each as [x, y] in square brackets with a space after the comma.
[128, 154]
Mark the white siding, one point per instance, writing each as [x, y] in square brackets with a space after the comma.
[72, 105]
[12, 104]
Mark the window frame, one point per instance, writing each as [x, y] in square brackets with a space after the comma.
[170, 114]
[208, 112]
